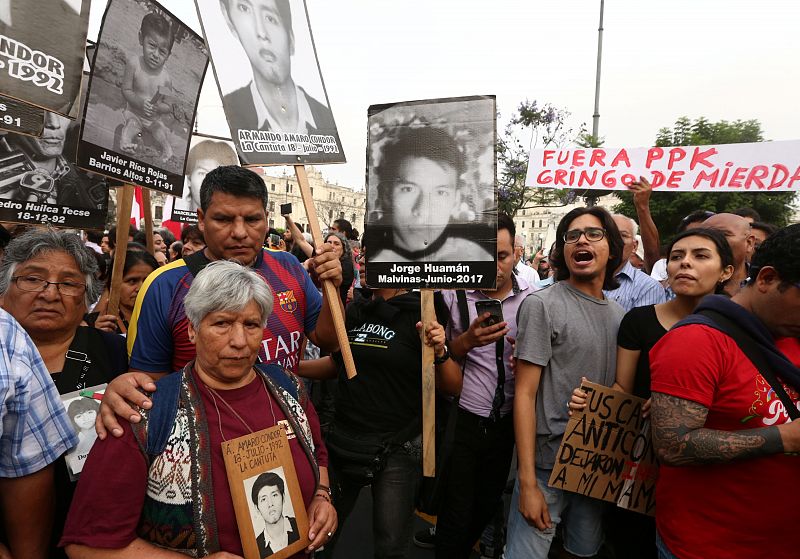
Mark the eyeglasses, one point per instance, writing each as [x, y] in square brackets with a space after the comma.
[37, 285]
[592, 234]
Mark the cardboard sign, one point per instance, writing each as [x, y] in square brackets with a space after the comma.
[20, 118]
[607, 452]
[266, 494]
[205, 154]
[41, 52]
[40, 183]
[761, 166]
[270, 82]
[143, 92]
[82, 407]
[431, 194]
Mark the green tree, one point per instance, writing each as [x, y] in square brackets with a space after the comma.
[549, 126]
[668, 208]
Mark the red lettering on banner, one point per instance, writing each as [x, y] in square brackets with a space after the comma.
[578, 158]
[652, 155]
[674, 180]
[560, 177]
[756, 174]
[794, 179]
[587, 178]
[738, 176]
[778, 169]
[658, 179]
[598, 158]
[547, 154]
[627, 179]
[544, 177]
[703, 176]
[675, 155]
[700, 158]
[609, 180]
[622, 156]
[562, 157]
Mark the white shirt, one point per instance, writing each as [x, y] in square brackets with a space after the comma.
[305, 120]
[524, 271]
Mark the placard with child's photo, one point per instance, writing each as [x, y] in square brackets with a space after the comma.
[143, 92]
[41, 52]
[40, 182]
[205, 154]
[82, 408]
[269, 78]
[431, 196]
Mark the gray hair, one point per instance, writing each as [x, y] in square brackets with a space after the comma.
[228, 287]
[38, 241]
[633, 223]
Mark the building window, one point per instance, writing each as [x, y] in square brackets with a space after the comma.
[159, 212]
[272, 206]
[540, 224]
[273, 187]
[272, 223]
[523, 225]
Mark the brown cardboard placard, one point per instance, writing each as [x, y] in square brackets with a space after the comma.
[261, 470]
[607, 452]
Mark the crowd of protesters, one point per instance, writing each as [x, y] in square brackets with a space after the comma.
[227, 331]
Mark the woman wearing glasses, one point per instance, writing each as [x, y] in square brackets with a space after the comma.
[699, 263]
[47, 282]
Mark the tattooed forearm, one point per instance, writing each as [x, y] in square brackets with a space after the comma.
[681, 440]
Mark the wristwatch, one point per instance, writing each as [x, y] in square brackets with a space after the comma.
[445, 356]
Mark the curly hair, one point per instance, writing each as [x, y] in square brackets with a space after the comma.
[615, 244]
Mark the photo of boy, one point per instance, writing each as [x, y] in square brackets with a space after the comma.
[143, 91]
[145, 84]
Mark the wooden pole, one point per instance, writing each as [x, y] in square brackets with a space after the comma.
[330, 290]
[124, 204]
[428, 389]
[148, 221]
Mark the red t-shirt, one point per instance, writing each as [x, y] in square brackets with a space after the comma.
[742, 509]
[112, 487]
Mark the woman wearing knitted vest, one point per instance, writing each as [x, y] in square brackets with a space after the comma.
[161, 489]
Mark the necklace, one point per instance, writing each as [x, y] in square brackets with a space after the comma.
[215, 394]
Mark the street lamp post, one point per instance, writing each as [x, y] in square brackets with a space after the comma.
[591, 199]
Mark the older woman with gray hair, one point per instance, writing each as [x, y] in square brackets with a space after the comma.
[47, 283]
[161, 489]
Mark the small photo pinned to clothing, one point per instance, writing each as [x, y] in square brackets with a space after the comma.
[143, 92]
[82, 408]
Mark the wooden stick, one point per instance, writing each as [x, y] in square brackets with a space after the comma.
[428, 389]
[148, 221]
[330, 290]
[124, 204]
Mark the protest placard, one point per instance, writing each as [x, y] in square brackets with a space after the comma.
[205, 154]
[761, 166]
[270, 82]
[431, 194]
[607, 452]
[20, 118]
[266, 494]
[40, 183]
[41, 52]
[143, 92]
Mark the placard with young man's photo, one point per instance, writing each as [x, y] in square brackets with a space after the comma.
[41, 52]
[431, 196]
[270, 81]
[145, 83]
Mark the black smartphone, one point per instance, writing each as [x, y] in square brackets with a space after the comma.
[492, 306]
[286, 209]
[275, 240]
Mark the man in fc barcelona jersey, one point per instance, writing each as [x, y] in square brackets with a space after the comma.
[233, 219]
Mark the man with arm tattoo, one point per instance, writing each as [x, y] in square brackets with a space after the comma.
[727, 445]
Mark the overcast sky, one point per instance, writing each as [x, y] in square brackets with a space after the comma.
[722, 59]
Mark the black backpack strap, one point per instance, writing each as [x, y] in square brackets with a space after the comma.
[161, 417]
[195, 262]
[463, 310]
[753, 352]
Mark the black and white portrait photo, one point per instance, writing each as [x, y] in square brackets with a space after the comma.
[40, 183]
[21, 118]
[271, 511]
[145, 82]
[205, 154]
[82, 411]
[270, 81]
[41, 52]
[431, 195]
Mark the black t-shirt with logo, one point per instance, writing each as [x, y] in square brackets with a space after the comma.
[386, 394]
